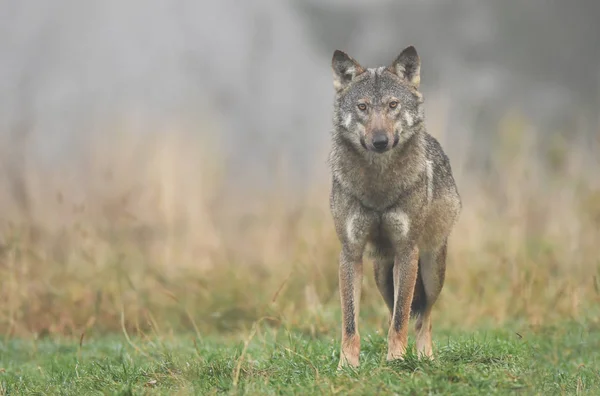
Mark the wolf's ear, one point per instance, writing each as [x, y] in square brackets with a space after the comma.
[408, 66]
[345, 69]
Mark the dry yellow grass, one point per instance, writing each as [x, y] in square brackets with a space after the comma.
[140, 236]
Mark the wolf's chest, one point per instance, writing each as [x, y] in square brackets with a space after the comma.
[375, 190]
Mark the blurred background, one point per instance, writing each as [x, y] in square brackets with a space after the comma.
[163, 164]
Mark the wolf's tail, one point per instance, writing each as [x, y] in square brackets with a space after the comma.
[419, 301]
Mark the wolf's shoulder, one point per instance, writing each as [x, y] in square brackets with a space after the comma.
[438, 165]
[434, 151]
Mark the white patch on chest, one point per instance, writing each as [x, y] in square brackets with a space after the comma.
[399, 221]
[429, 169]
[351, 228]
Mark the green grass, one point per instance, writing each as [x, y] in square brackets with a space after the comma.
[549, 360]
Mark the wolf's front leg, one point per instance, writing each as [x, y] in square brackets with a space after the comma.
[350, 273]
[405, 275]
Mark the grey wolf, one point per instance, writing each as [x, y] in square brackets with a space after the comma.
[393, 195]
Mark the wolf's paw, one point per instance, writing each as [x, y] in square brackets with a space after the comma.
[349, 354]
[347, 361]
[396, 349]
[426, 353]
[394, 357]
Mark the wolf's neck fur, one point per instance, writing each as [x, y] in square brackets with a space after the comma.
[378, 176]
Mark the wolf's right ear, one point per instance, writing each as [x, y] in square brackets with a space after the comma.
[345, 69]
[408, 66]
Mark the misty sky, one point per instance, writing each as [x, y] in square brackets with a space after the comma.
[260, 69]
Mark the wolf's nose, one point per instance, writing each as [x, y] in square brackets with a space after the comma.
[380, 142]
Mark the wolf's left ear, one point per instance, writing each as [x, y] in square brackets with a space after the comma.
[345, 69]
[408, 66]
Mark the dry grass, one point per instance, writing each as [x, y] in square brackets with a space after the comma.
[139, 237]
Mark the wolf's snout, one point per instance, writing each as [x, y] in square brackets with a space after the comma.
[380, 142]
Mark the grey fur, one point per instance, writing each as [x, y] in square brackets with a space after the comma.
[400, 201]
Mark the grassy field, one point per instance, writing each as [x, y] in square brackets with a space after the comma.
[119, 275]
[547, 360]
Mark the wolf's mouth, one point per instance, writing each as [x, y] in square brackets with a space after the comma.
[363, 143]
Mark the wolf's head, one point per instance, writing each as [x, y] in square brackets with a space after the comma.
[377, 109]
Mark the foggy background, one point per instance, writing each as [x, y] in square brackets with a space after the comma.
[258, 72]
[152, 149]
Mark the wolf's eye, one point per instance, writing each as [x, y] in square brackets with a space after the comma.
[362, 106]
[393, 104]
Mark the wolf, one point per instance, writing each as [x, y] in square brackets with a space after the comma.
[392, 194]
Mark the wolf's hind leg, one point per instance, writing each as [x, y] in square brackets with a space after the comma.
[383, 266]
[432, 269]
